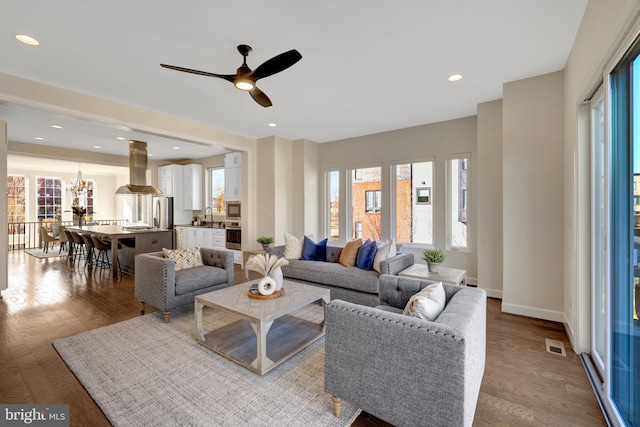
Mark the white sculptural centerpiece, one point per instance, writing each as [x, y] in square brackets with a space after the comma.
[268, 266]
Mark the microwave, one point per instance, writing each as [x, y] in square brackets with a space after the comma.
[233, 211]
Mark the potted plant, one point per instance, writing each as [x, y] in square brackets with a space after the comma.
[434, 257]
[265, 241]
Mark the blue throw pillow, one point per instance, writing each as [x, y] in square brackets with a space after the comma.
[312, 251]
[366, 255]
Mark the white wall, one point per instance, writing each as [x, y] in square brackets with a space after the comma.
[4, 237]
[490, 198]
[411, 144]
[533, 209]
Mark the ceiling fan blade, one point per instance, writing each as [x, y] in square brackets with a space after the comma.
[228, 77]
[260, 97]
[276, 64]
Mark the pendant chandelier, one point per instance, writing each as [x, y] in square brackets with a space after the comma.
[79, 185]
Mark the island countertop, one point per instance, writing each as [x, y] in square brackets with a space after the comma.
[145, 239]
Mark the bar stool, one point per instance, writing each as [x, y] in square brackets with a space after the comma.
[72, 246]
[102, 260]
[79, 253]
[88, 243]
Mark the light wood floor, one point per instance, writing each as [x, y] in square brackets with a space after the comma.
[47, 300]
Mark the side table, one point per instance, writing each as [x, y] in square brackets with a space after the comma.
[444, 275]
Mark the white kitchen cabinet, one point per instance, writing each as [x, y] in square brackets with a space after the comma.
[233, 160]
[218, 238]
[193, 187]
[233, 184]
[166, 178]
[214, 238]
[233, 176]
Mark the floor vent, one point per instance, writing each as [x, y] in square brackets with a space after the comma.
[555, 347]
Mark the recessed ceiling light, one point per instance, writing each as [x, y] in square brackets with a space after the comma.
[56, 126]
[120, 138]
[27, 39]
[97, 146]
[272, 125]
[455, 77]
[39, 138]
[176, 148]
[150, 154]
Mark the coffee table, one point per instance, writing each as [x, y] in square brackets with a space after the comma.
[444, 274]
[266, 335]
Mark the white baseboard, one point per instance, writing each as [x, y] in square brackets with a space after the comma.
[569, 333]
[538, 313]
[494, 293]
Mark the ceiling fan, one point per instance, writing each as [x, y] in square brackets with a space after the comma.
[245, 79]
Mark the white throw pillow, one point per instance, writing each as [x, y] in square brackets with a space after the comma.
[382, 254]
[428, 303]
[293, 246]
[392, 249]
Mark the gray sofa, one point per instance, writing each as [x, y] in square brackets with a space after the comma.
[158, 283]
[404, 370]
[346, 283]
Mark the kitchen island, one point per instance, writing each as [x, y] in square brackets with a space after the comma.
[127, 242]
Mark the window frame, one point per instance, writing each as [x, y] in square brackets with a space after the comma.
[349, 181]
[209, 185]
[37, 196]
[393, 196]
[327, 203]
[448, 200]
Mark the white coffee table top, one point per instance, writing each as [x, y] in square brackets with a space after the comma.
[445, 274]
[235, 299]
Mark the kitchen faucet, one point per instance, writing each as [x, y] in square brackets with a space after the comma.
[205, 215]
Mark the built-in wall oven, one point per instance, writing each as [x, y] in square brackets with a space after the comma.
[233, 211]
[234, 235]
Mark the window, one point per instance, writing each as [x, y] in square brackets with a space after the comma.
[457, 207]
[215, 184]
[413, 202]
[366, 203]
[333, 192]
[16, 206]
[48, 196]
[373, 201]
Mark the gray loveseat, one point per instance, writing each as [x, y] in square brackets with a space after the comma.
[158, 283]
[346, 283]
[404, 370]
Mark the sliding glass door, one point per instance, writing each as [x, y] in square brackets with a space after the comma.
[623, 359]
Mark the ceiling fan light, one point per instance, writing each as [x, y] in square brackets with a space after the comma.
[244, 84]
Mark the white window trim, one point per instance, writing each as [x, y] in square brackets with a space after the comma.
[326, 205]
[392, 195]
[448, 213]
[348, 217]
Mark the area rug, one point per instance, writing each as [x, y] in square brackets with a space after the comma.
[40, 253]
[146, 372]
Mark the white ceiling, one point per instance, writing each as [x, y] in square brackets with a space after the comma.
[367, 66]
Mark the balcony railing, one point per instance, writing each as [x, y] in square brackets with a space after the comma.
[26, 235]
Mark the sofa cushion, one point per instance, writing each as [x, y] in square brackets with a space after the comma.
[366, 255]
[184, 259]
[292, 246]
[333, 274]
[333, 253]
[349, 254]
[313, 251]
[195, 278]
[428, 303]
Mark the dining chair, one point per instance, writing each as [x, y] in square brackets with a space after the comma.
[63, 239]
[46, 238]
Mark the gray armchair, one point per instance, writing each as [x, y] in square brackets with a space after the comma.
[159, 284]
[404, 370]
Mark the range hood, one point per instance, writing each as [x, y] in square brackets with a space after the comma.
[138, 171]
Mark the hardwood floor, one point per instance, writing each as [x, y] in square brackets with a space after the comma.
[47, 300]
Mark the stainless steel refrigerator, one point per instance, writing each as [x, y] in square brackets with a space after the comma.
[163, 212]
